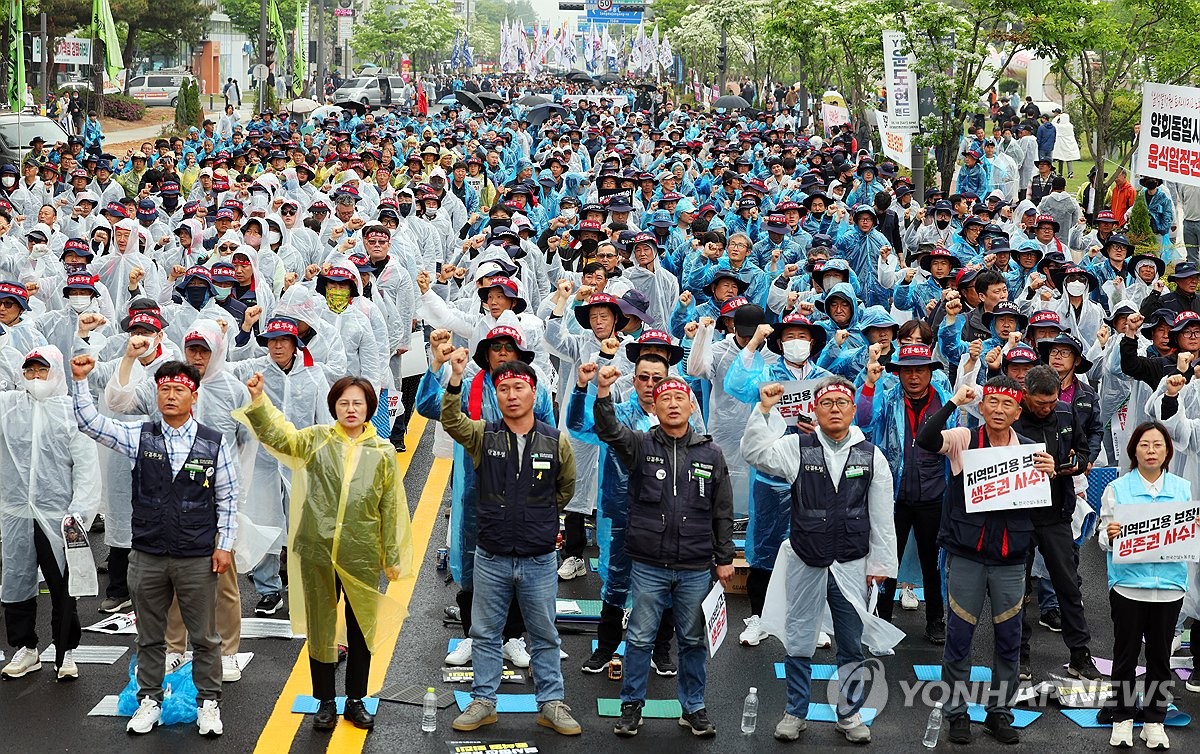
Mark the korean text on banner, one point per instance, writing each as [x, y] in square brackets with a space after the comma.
[1004, 478]
[716, 618]
[1156, 533]
[833, 116]
[897, 144]
[1169, 144]
[798, 402]
[901, 82]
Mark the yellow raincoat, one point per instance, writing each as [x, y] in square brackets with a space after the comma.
[348, 519]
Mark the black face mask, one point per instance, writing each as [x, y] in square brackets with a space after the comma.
[662, 232]
[170, 203]
[588, 246]
[942, 224]
[74, 267]
[366, 290]
[405, 209]
[196, 296]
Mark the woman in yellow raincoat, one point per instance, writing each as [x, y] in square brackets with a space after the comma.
[348, 523]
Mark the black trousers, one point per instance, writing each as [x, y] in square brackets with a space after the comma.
[1057, 543]
[574, 534]
[514, 625]
[358, 663]
[408, 399]
[118, 574]
[609, 632]
[757, 582]
[923, 521]
[1133, 622]
[20, 618]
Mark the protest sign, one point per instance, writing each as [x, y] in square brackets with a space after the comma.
[492, 747]
[1004, 478]
[896, 142]
[716, 619]
[798, 404]
[1169, 142]
[1156, 533]
[901, 82]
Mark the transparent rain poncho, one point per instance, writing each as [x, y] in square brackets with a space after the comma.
[349, 520]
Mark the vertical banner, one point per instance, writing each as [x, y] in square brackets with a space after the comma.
[897, 144]
[901, 83]
[16, 56]
[1169, 144]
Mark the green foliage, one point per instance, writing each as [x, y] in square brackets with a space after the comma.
[670, 14]
[486, 17]
[182, 121]
[424, 30]
[1140, 234]
[245, 15]
[1009, 86]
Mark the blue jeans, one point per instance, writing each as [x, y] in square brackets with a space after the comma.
[535, 582]
[653, 590]
[847, 632]
[266, 577]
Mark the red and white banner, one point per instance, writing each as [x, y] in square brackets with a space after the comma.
[1004, 478]
[1156, 533]
[798, 403]
[716, 618]
[1169, 142]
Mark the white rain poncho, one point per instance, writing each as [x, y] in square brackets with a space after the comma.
[364, 350]
[727, 415]
[288, 256]
[323, 342]
[48, 469]
[114, 267]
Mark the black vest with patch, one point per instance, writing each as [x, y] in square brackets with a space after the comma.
[831, 525]
[517, 513]
[175, 514]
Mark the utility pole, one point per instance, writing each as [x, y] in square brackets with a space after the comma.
[42, 72]
[320, 52]
[722, 62]
[262, 55]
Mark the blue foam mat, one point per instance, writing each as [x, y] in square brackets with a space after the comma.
[1021, 717]
[308, 705]
[819, 672]
[979, 673]
[1086, 718]
[504, 702]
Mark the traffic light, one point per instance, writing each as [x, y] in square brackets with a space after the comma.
[722, 58]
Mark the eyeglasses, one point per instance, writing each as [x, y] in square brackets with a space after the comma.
[653, 379]
[5, 303]
[501, 347]
[287, 212]
[36, 372]
[1062, 351]
[841, 404]
[227, 247]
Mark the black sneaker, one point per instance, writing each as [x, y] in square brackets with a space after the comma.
[998, 726]
[1026, 670]
[1052, 620]
[356, 714]
[268, 605]
[326, 717]
[631, 720]
[663, 664]
[935, 633]
[699, 724]
[597, 663]
[1082, 666]
[960, 729]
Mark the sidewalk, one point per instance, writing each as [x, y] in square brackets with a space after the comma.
[137, 132]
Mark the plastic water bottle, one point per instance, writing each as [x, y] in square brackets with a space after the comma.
[429, 715]
[750, 712]
[933, 728]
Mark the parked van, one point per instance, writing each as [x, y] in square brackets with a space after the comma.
[158, 87]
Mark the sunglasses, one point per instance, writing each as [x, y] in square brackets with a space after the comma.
[501, 347]
[653, 379]
[227, 247]
[287, 212]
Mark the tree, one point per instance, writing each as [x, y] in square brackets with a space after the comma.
[62, 18]
[423, 30]
[245, 14]
[486, 17]
[670, 14]
[152, 24]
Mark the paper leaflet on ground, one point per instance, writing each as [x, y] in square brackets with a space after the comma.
[467, 675]
[120, 623]
[268, 628]
[505, 746]
[81, 566]
[89, 654]
[1156, 533]
[1075, 693]
[1004, 478]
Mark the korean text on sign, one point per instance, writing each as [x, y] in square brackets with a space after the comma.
[1156, 533]
[1004, 478]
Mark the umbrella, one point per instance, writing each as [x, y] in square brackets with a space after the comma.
[358, 107]
[468, 100]
[326, 111]
[730, 102]
[538, 115]
[303, 105]
[578, 76]
[491, 98]
[609, 78]
[532, 100]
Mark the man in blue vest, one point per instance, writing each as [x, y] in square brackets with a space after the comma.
[526, 475]
[985, 557]
[677, 531]
[184, 525]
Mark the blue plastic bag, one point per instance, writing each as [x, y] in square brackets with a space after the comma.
[179, 695]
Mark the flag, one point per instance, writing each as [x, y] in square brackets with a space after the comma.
[275, 24]
[652, 50]
[610, 51]
[16, 55]
[299, 61]
[666, 56]
[454, 56]
[105, 30]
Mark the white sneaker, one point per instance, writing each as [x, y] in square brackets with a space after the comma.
[908, 599]
[1176, 643]
[753, 633]
[175, 661]
[824, 640]
[208, 718]
[68, 671]
[147, 716]
[1193, 683]
[230, 671]
[461, 654]
[24, 662]
[572, 568]
[514, 651]
[1122, 734]
[1155, 736]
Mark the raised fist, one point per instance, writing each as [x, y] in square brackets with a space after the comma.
[81, 367]
[769, 395]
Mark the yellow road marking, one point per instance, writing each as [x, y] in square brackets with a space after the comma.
[279, 733]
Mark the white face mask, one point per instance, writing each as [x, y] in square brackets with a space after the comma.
[258, 199]
[40, 390]
[828, 281]
[797, 351]
[8, 181]
[1077, 288]
[273, 237]
[79, 302]
[569, 213]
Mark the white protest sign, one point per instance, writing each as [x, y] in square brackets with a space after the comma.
[1004, 478]
[716, 618]
[798, 403]
[833, 116]
[897, 143]
[1156, 533]
[901, 82]
[1169, 142]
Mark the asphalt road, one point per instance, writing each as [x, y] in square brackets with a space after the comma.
[43, 716]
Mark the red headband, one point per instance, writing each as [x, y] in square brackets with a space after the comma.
[177, 379]
[511, 375]
[671, 384]
[834, 387]
[1013, 393]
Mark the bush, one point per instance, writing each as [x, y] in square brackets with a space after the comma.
[1140, 234]
[123, 108]
[1008, 85]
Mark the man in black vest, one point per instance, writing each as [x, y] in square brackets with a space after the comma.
[677, 531]
[526, 475]
[985, 557]
[842, 540]
[184, 525]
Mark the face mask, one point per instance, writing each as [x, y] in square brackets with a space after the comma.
[79, 302]
[431, 214]
[405, 209]
[222, 292]
[588, 246]
[366, 290]
[829, 281]
[1077, 288]
[942, 224]
[258, 200]
[196, 296]
[569, 213]
[273, 237]
[40, 390]
[8, 182]
[797, 351]
[337, 299]
[170, 203]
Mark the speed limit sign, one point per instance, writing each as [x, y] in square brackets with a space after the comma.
[604, 4]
